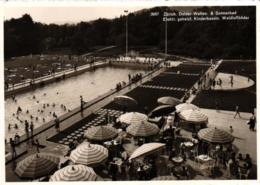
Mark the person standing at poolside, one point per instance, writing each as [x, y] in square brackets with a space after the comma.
[220, 82]
[57, 124]
[26, 128]
[31, 129]
[231, 80]
[252, 122]
[231, 130]
[37, 145]
[81, 103]
[12, 143]
[237, 112]
[217, 105]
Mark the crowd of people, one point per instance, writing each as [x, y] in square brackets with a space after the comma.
[24, 120]
[131, 79]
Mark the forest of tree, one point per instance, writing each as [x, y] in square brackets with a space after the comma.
[202, 39]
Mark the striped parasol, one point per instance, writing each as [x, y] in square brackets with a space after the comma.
[74, 173]
[185, 106]
[215, 135]
[37, 165]
[168, 100]
[143, 129]
[89, 154]
[125, 101]
[132, 118]
[194, 116]
[164, 178]
[161, 111]
[147, 149]
[101, 133]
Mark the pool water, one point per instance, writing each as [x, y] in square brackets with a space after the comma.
[67, 93]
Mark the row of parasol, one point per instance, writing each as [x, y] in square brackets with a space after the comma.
[84, 157]
[105, 133]
[168, 104]
[87, 155]
[186, 111]
[90, 155]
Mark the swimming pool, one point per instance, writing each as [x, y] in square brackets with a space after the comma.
[55, 96]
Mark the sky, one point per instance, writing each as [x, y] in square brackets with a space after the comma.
[62, 15]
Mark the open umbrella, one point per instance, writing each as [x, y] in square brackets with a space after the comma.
[37, 165]
[169, 100]
[74, 173]
[125, 101]
[147, 149]
[185, 106]
[89, 154]
[101, 133]
[164, 178]
[215, 136]
[143, 129]
[194, 116]
[132, 118]
[161, 111]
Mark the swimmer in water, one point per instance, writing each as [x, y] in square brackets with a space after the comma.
[19, 109]
[54, 115]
